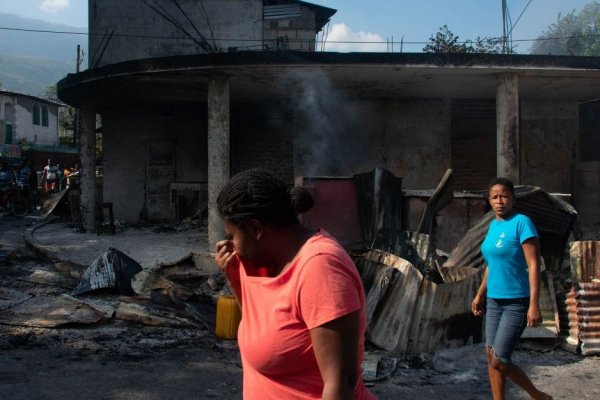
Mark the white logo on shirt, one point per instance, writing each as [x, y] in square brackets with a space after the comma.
[499, 243]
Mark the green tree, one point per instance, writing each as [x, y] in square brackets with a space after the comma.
[445, 41]
[572, 34]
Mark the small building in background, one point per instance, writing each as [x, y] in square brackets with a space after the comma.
[29, 128]
[26, 118]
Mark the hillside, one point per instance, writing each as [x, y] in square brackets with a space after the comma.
[32, 61]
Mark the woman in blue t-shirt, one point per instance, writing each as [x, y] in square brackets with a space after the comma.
[511, 286]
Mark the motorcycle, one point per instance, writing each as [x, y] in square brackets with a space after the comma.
[12, 201]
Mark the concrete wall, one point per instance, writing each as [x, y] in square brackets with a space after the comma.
[342, 137]
[299, 32]
[473, 149]
[549, 131]
[260, 140]
[339, 137]
[589, 131]
[20, 109]
[126, 133]
[233, 23]
[24, 128]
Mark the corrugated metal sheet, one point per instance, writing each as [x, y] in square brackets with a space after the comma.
[467, 254]
[441, 198]
[409, 314]
[282, 11]
[583, 310]
[417, 248]
[585, 260]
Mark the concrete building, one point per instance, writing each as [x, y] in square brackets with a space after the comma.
[183, 114]
[29, 118]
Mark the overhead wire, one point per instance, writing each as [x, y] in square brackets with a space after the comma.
[520, 15]
[140, 36]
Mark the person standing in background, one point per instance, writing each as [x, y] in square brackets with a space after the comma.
[509, 292]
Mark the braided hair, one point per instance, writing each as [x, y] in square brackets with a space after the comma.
[256, 193]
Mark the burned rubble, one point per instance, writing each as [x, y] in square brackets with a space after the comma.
[418, 293]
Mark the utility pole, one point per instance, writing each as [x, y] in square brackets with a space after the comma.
[78, 58]
[506, 29]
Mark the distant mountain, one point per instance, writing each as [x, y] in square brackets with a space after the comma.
[32, 61]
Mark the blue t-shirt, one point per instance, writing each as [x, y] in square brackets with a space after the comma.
[507, 269]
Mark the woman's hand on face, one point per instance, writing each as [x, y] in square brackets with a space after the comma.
[224, 255]
[477, 306]
[534, 316]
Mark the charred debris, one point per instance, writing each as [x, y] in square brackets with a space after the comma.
[417, 253]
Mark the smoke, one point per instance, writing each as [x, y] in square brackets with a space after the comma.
[322, 120]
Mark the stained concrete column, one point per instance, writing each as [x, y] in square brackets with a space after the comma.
[87, 177]
[507, 127]
[218, 152]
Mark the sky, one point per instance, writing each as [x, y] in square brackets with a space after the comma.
[381, 21]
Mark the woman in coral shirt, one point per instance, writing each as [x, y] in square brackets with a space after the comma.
[302, 300]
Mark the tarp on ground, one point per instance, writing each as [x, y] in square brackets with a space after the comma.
[112, 270]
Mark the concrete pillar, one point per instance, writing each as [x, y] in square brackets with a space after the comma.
[507, 127]
[218, 152]
[87, 177]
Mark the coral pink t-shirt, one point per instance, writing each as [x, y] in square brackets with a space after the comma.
[320, 285]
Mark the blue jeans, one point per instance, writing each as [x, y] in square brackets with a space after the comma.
[505, 321]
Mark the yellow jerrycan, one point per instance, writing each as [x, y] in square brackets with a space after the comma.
[229, 316]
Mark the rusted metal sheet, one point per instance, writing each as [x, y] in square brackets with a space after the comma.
[549, 213]
[583, 310]
[585, 260]
[335, 208]
[409, 314]
[582, 303]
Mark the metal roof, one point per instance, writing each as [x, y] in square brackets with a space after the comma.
[35, 98]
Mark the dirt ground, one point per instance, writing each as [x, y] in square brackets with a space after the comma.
[123, 360]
